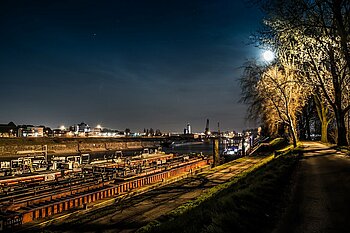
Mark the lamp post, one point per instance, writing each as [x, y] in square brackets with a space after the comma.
[216, 153]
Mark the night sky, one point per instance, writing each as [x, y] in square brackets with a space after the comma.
[125, 64]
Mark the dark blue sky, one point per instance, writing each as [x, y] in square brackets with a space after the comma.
[125, 64]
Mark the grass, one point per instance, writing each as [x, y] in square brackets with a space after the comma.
[273, 146]
[215, 190]
[249, 203]
[277, 142]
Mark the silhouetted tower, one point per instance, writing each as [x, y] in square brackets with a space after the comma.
[189, 128]
[219, 129]
[207, 132]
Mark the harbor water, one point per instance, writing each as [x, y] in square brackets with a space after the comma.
[206, 148]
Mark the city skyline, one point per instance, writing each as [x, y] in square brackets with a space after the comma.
[123, 64]
[187, 128]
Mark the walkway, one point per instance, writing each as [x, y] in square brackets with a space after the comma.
[321, 200]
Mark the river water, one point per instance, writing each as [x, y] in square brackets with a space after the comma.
[206, 148]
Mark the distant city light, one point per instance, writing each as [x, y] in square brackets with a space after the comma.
[268, 55]
[98, 126]
[62, 127]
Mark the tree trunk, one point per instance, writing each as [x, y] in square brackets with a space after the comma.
[338, 99]
[322, 113]
[294, 138]
[342, 140]
[324, 130]
[307, 125]
[302, 130]
[293, 133]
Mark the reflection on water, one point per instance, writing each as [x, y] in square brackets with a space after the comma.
[206, 148]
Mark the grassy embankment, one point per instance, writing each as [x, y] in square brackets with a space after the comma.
[250, 202]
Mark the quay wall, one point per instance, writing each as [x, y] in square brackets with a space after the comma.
[18, 147]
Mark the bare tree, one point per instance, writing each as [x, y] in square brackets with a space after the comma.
[252, 73]
[283, 98]
[324, 114]
[315, 35]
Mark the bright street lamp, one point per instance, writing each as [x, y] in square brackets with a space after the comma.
[268, 56]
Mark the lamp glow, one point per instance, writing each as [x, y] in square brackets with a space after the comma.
[268, 56]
